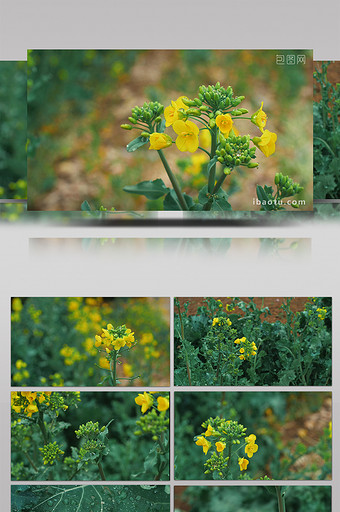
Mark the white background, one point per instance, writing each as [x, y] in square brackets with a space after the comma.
[127, 267]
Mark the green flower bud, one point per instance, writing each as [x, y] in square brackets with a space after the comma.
[244, 110]
[277, 179]
[126, 126]
[198, 102]
[212, 123]
[158, 119]
[132, 120]
[252, 165]
[145, 134]
[236, 112]
[193, 112]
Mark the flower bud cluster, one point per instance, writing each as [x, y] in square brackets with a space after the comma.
[89, 430]
[286, 186]
[153, 423]
[216, 97]
[148, 114]
[235, 151]
[50, 453]
[217, 462]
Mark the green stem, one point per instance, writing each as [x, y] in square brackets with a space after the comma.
[205, 151]
[280, 499]
[184, 347]
[161, 465]
[173, 180]
[212, 172]
[325, 144]
[42, 427]
[219, 183]
[113, 369]
[101, 471]
[219, 359]
[30, 461]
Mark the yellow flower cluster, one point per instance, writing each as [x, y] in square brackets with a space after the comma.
[110, 340]
[88, 313]
[265, 143]
[71, 355]
[218, 321]
[250, 448]
[22, 373]
[247, 348]
[150, 344]
[16, 309]
[26, 402]
[322, 313]
[146, 401]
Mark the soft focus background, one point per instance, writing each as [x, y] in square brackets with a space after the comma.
[252, 499]
[13, 168]
[292, 432]
[77, 100]
[53, 340]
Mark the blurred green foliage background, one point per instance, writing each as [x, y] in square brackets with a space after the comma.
[77, 100]
[53, 340]
[13, 168]
[252, 499]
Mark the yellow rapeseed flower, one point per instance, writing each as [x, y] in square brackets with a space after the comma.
[205, 138]
[201, 441]
[171, 113]
[209, 432]
[163, 403]
[259, 118]
[250, 449]
[243, 463]
[17, 304]
[224, 123]
[160, 141]
[220, 446]
[20, 364]
[187, 132]
[266, 143]
[145, 400]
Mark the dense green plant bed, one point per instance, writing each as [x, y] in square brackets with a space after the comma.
[219, 346]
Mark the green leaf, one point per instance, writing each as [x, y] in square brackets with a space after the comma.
[85, 207]
[150, 189]
[94, 498]
[220, 202]
[202, 195]
[261, 194]
[137, 143]
[211, 163]
[171, 201]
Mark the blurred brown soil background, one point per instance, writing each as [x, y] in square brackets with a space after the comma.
[273, 303]
[333, 75]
